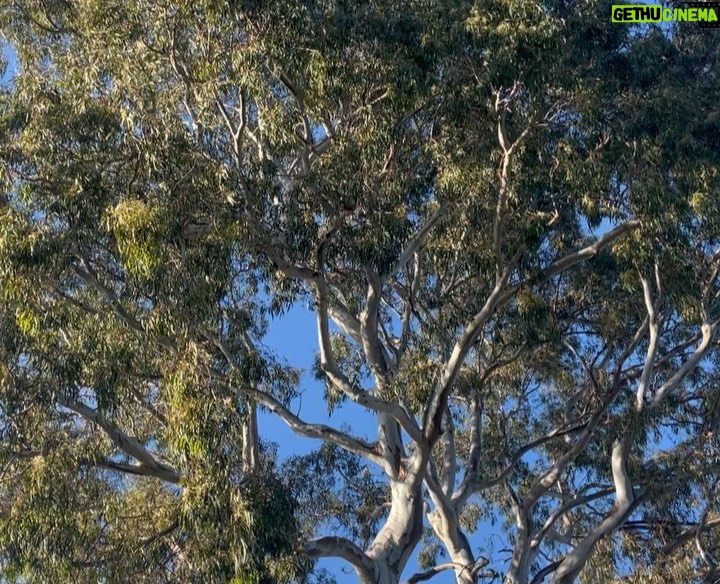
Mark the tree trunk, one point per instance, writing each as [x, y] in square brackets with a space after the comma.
[401, 533]
[456, 544]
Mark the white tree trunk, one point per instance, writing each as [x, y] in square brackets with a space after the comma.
[401, 533]
[456, 545]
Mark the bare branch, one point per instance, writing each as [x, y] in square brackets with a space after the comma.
[517, 456]
[439, 498]
[569, 506]
[317, 431]
[574, 562]
[449, 468]
[134, 469]
[690, 535]
[469, 480]
[652, 346]
[251, 440]
[434, 571]
[129, 445]
[708, 333]
[591, 250]
[499, 298]
[369, 328]
[348, 323]
[329, 366]
[457, 358]
[419, 239]
[339, 547]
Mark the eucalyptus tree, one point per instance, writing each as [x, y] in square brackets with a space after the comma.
[504, 216]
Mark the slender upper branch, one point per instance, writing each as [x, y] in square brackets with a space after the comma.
[708, 333]
[652, 346]
[318, 431]
[129, 445]
[419, 239]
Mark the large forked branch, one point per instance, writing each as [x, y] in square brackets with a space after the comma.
[373, 348]
[499, 298]
[340, 380]
[129, 445]
[524, 552]
[339, 547]
[470, 479]
[574, 562]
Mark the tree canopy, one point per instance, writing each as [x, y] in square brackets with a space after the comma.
[505, 218]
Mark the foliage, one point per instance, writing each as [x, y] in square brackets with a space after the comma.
[503, 215]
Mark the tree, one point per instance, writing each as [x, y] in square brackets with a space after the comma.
[505, 218]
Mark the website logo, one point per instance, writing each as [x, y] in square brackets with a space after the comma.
[706, 14]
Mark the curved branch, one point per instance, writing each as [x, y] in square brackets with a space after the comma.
[318, 431]
[339, 547]
[708, 333]
[689, 535]
[569, 506]
[625, 501]
[432, 572]
[331, 369]
[418, 240]
[519, 453]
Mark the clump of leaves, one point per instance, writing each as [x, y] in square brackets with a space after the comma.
[138, 232]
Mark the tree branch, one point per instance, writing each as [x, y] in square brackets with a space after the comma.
[652, 346]
[129, 445]
[369, 329]
[708, 333]
[689, 535]
[329, 366]
[415, 243]
[499, 298]
[317, 431]
[434, 571]
[574, 562]
[339, 547]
